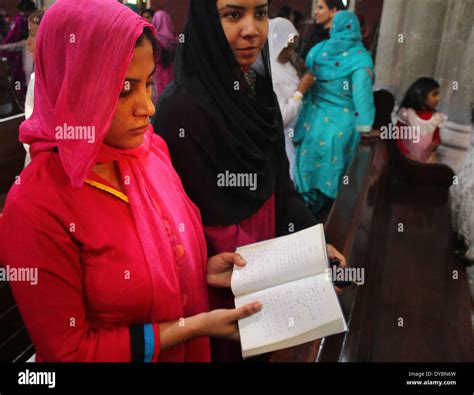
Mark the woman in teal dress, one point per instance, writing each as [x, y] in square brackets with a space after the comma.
[337, 109]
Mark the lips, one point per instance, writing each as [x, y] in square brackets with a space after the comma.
[248, 52]
[248, 49]
[140, 130]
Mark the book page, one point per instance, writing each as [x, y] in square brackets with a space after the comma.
[289, 310]
[277, 261]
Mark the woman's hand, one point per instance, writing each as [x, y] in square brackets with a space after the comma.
[374, 134]
[223, 323]
[335, 254]
[432, 159]
[216, 323]
[219, 269]
[306, 82]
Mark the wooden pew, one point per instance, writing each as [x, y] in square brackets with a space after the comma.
[12, 153]
[10, 104]
[15, 343]
[408, 275]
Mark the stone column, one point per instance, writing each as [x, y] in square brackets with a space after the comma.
[455, 66]
[432, 38]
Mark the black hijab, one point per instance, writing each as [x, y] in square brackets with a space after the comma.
[225, 130]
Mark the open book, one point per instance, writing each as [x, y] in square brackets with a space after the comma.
[289, 276]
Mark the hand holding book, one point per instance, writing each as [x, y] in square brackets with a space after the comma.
[289, 276]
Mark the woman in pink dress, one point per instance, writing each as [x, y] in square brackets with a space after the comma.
[167, 47]
[100, 214]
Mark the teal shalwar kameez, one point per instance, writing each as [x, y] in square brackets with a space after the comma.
[336, 110]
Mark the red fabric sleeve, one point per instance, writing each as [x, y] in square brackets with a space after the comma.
[53, 310]
[437, 137]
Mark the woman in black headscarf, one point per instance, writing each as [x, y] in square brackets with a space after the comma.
[223, 126]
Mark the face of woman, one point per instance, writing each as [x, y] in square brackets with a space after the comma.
[245, 23]
[147, 16]
[135, 106]
[324, 15]
[31, 41]
[287, 53]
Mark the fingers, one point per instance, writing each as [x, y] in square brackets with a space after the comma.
[341, 258]
[246, 311]
[335, 254]
[239, 260]
[330, 250]
[231, 258]
[227, 260]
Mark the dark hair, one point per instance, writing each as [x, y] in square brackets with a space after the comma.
[335, 4]
[26, 6]
[36, 16]
[166, 57]
[148, 33]
[150, 11]
[297, 17]
[418, 92]
[284, 12]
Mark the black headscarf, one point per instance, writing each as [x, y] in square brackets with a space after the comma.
[225, 129]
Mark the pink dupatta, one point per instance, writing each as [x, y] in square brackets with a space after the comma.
[84, 48]
[164, 28]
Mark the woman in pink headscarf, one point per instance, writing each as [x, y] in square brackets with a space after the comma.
[100, 215]
[168, 41]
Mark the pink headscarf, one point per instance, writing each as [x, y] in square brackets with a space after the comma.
[163, 25]
[84, 48]
[80, 64]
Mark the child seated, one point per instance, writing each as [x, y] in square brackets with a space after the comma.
[418, 112]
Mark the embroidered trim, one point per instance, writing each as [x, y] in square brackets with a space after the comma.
[105, 188]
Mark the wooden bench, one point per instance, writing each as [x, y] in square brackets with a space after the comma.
[12, 153]
[410, 308]
[10, 104]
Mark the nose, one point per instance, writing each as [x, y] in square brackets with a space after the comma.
[144, 107]
[250, 28]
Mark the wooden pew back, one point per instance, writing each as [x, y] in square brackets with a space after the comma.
[393, 221]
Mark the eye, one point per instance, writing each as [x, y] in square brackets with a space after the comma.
[127, 89]
[232, 15]
[262, 14]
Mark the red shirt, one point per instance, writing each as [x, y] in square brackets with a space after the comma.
[93, 282]
[425, 115]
